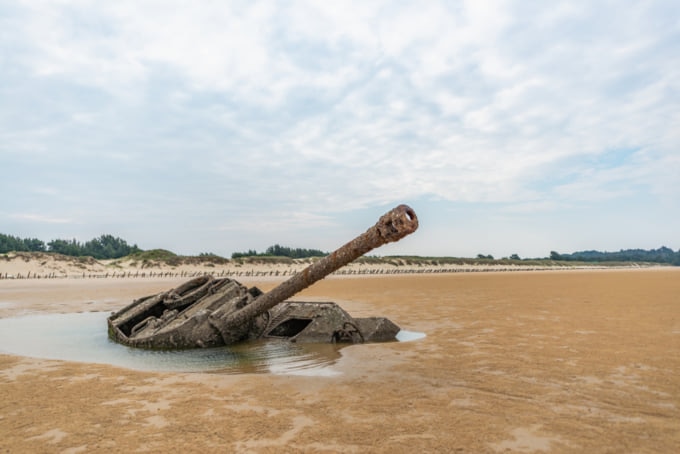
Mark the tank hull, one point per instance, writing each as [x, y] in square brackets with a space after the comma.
[190, 317]
[207, 312]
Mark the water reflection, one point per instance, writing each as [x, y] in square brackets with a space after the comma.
[83, 337]
[408, 336]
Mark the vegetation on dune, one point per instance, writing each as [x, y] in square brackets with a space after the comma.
[110, 247]
[281, 251]
[27, 256]
[153, 254]
[104, 247]
[9, 243]
[154, 257]
[661, 255]
[264, 260]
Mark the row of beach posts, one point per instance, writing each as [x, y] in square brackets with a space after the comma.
[267, 273]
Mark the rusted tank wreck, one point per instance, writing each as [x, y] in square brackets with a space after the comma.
[208, 312]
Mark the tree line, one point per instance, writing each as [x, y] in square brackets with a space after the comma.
[110, 247]
[281, 251]
[104, 247]
[660, 255]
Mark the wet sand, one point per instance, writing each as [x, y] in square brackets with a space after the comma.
[559, 361]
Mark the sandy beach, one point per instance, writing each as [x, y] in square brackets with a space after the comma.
[545, 361]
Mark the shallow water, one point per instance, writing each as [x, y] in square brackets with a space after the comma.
[83, 337]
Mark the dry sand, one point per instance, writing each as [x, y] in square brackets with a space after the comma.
[572, 361]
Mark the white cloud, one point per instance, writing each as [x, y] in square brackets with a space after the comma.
[326, 108]
[39, 218]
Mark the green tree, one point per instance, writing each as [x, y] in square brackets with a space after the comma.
[9, 243]
[249, 253]
[555, 256]
[65, 247]
[34, 244]
[108, 247]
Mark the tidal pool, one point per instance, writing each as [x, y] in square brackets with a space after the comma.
[83, 337]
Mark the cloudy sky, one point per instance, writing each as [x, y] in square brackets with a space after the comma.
[221, 126]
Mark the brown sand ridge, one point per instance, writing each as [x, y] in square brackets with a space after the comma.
[572, 361]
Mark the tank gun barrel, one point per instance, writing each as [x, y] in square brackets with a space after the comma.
[391, 227]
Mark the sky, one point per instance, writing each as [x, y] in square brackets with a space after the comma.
[510, 127]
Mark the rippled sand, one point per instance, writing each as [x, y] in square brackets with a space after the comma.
[568, 361]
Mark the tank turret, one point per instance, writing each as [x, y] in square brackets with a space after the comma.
[209, 312]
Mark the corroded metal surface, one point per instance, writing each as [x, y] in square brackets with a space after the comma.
[391, 227]
[208, 312]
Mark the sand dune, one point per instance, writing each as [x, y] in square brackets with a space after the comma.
[42, 265]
